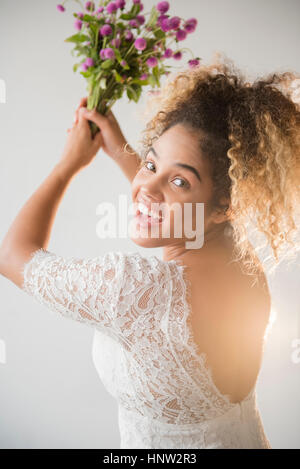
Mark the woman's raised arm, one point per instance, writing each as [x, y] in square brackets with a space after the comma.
[114, 143]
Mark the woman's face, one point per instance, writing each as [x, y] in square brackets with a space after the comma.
[162, 179]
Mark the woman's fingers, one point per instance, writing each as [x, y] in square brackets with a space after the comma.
[82, 103]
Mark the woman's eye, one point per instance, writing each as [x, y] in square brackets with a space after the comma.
[184, 184]
[146, 162]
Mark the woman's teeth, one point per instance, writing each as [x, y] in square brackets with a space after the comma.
[143, 209]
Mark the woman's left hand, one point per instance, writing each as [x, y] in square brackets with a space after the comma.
[80, 148]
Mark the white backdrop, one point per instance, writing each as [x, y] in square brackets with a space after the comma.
[50, 393]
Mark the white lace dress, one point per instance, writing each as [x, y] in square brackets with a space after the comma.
[144, 351]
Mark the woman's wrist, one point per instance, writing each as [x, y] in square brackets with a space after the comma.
[65, 171]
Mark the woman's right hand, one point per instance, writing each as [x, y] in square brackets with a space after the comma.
[112, 136]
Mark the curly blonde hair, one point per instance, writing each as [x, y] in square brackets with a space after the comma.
[252, 142]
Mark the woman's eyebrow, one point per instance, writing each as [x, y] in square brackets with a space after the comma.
[181, 165]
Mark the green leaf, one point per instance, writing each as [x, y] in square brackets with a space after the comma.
[77, 38]
[86, 74]
[135, 9]
[152, 80]
[140, 82]
[131, 93]
[118, 55]
[127, 16]
[107, 63]
[90, 18]
[117, 76]
[159, 34]
[153, 18]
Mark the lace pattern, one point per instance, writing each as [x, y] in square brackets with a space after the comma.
[144, 349]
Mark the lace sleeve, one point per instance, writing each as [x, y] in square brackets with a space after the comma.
[91, 291]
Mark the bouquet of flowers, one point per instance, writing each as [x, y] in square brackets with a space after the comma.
[121, 50]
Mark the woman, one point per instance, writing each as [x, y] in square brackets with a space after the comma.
[181, 338]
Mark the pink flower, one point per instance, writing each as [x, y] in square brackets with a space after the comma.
[109, 53]
[128, 35]
[144, 76]
[161, 18]
[190, 25]
[90, 62]
[140, 43]
[152, 62]
[60, 7]
[102, 54]
[100, 9]
[123, 63]
[140, 19]
[193, 63]
[120, 4]
[168, 53]
[134, 23]
[177, 55]
[80, 15]
[111, 7]
[136, 1]
[106, 30]
[84, 66]
[116, 42]
[174, 22]
[181, 34]
[90, 6]
[78, 24]
[162, 7]
[165, 25]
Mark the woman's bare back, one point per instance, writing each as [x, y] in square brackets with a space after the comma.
[229, 317]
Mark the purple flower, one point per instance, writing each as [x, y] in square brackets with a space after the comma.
[140, 43]
[162, 7]
[160, 18]
[116, 42]
[90, 62]
[141, 7]
[102, 54]
[168, 53]
[190, 25]
[106, 30]
[152, 62]
[111, 7]
[165, 25]
[78, 24]
[109, 53]
[80, 15]
[181, 34]
[128, 35]
[123, 63]
[60, 7]
[136, 1]
[193, 63]
[144, 76]
[90, 6]
[134, 23]
[140, 19]
[174, 22]
[177, 55]
[120, 4]
[84, 66]
[100, 9]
